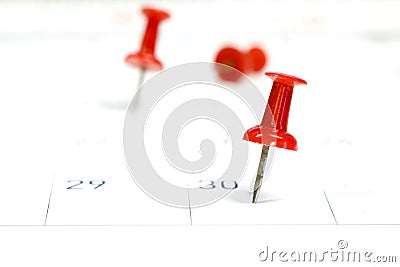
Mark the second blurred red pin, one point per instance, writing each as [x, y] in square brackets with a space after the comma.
[251, 61]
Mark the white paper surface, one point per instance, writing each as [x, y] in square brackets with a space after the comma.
[65, 88]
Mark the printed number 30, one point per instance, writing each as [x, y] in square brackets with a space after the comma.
[208, 184]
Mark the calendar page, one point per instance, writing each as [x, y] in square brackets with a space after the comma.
[86, 143]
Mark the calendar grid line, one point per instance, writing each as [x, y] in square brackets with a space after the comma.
[49, 202]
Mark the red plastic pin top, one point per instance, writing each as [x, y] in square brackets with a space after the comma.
[246, 62]
[146, 58]
[273, 129]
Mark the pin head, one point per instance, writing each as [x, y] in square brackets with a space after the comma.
[270, 137]
[284, 78]
[273, 127]
[144, 61]
[157, 14]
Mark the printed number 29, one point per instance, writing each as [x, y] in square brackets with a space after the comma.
[77, 184]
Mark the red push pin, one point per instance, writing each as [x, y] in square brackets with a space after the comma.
[247, 62]
[145, 59]
[273, 129]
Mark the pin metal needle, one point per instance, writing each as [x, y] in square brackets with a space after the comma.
[142, 73]
[260, 173]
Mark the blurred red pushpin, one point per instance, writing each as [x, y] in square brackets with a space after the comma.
[145, 59]
[273, 129]
[247, 62]
[256, 59]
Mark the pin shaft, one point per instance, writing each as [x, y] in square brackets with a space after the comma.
[260, 173]
[142, 73]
